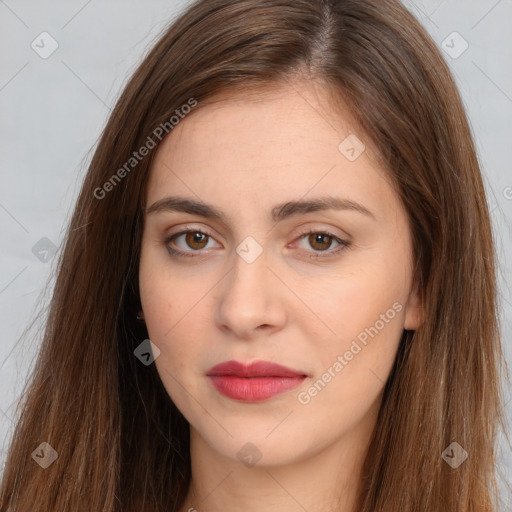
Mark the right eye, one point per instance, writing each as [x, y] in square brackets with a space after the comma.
[194, 239]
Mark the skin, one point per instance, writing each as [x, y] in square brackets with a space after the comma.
[245, 154]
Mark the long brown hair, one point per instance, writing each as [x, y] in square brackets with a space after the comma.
[122, 444]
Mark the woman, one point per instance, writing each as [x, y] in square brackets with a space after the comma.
[278, 285]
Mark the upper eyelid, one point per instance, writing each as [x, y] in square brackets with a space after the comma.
[186, 229]
[340, 239]
[301, 230]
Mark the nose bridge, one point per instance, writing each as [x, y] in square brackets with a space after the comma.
[248, 299]
[250, 268]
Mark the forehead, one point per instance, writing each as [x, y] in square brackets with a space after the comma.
[262, 143]
[266, 115]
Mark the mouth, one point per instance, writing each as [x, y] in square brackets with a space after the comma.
[255, 382]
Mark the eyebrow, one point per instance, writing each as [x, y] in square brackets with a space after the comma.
[278, 213]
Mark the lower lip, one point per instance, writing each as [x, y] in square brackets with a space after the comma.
[255, 389]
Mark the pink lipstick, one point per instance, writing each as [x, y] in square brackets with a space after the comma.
[256, 382]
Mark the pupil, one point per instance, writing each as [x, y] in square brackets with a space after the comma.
[318, 238]
[194, 238]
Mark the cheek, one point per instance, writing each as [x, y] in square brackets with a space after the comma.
[167, 316]
[170, 324]
[164, 297]
[366, 309]
[171, 307]
[358, 299]
[355, 364]
[158, 299]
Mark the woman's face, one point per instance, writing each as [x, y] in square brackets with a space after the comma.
[250, 285]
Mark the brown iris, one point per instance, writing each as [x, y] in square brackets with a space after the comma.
[198, 240]
[314, 238]
[195, 237]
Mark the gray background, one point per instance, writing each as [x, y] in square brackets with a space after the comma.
[53, 110]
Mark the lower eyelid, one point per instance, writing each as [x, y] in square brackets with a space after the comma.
[174, 236]
[342, 244]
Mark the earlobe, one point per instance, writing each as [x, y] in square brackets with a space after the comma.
[414, 311]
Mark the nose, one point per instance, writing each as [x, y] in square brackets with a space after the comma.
[251, 300]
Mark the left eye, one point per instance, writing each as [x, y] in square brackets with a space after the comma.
[321, 240]
[198, 240]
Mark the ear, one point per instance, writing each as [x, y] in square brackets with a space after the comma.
[414, 310]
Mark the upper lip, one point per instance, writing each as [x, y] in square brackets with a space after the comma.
[255, 369]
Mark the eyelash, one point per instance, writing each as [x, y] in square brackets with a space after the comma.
[193, 254]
